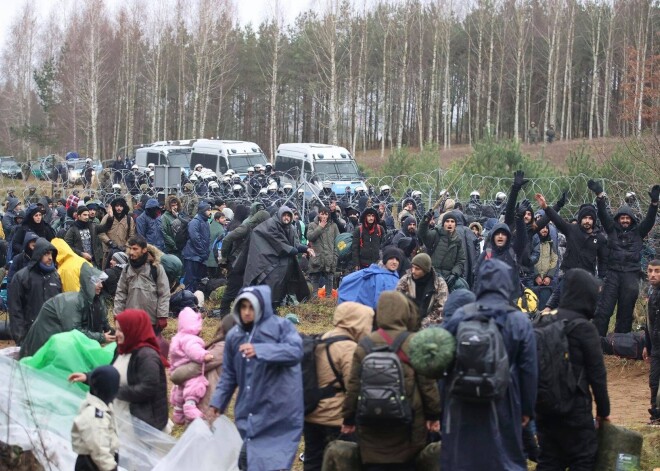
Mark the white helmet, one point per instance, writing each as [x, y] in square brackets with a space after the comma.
[193, 178]
[443, 192]
[475, 193]
[416, 194]
[213, 185]
[258, 167]
[135, 167]
[385, 188]
[237, 187]
[272, 186]
[151, 173]
[151, 165]
[360, 188]
[199, 167]
[226, 179]
[327, 184]
[229, 214]
[631, 194]
[228, 173]
[116, 186]
[287, 186]
[89, 161]
[208, 176]
[263, 191]
[500, 196]
[250, 169]
[231, 172]
[301, 191]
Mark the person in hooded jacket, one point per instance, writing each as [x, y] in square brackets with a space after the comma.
[495, 426]
[22, 259]
[353, 321]
[197, 248]
[149, 225]
[84, 311]
[69, 265]
[625, 240]
[235, 254]
[406, 237]
[82, 238]
[367, 239]
[262, 355]
[31, 287]
[394, 447]
[115, 229]
[272, 258]
[8, 220]
[570, 441]
[117, 264]
[172, 210]
[446, 249]
[33, 222]
[321, 234]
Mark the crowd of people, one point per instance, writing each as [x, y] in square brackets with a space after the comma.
[395, 268]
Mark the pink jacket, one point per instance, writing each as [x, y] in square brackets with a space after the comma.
[186, 345]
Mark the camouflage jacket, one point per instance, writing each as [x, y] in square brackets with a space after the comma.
[432, 305]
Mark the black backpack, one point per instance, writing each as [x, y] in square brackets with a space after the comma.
[382, 400]
[312, 393]
[388, 238]
[481, 368]
[556, 381]
[180, 231]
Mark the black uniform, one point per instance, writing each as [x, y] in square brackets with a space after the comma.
[653, 346]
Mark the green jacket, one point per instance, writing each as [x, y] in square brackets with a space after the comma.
[322, 240]
[168, 235]
[448, 256]
[216, 230]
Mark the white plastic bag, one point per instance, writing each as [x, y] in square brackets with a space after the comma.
[203, 449]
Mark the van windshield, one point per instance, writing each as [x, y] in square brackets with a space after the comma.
[240, 163]
[336, 170]
[180, 158]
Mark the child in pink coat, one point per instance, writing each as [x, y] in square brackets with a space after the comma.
[188, 347]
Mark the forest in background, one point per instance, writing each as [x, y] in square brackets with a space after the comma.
[362, 74]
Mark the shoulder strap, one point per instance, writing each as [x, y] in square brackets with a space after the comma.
[154, 273]
[329, 341]
[395, 345]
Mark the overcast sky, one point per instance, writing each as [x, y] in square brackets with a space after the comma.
[248, 10]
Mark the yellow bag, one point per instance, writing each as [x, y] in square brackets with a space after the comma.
[528, 302]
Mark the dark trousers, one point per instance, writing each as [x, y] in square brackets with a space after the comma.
[566, 447]
[85, 463]
[553, 301]
[409, 466]
[621, 289]
[234, 285]
[193, 274]
[654, 375]
[317, 438]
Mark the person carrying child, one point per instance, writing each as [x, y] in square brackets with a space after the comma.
[187, 347]
[94, 432]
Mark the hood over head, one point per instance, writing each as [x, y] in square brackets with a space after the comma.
[170, 199]
[500, 227]
[353, 318]
[409, 200]
[457, 299]
[366, 211]
[64, 251]
[259, 217]
[87, 283]
[407, 221]
[396, 312]
[495, 278]
[29, 237]
[627, 211]
[580, 292]
[152, 203]
[104, 383]
[202, 207]
[31, 211]
[41, 247]
[12, 203]
[256, 206]
[173, 267]
[190, 322]
[283, 210]
[586, 210]
[260, 298]
[477, 225]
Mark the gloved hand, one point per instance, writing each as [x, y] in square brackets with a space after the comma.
[519, 179]
[162, 323]
[523, 207]
[450, 280]
[561, 202]
[113, 246]
[428, 216]
[595, 186]
[655, 193]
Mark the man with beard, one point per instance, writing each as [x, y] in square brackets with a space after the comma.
[149, 225]
[272, 258]
[143, 284]
[625, 239]
[352, 221]
[406, 237]
[81, 237]
[586, 248]
[115, 229]
[445, 248]
[651, 352]
[427, 290]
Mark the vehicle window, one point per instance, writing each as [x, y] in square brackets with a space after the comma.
[180, 159]
[207, 160]
[337, 170]
[152, 158]
[240, 163]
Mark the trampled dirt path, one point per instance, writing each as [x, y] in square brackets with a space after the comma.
[628, 387]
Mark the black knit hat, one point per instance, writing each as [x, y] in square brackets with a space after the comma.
[392, 252]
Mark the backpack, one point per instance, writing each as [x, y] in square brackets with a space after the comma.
[312, 393]
[556, 381]
[180, 231]
[481, 369]
[388, 237]
[382, 400]
[344, 246]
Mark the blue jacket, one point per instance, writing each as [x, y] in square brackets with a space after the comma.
[495, 427]
[199, 238]
[364, 286]
[150, 227]
[269, 408]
